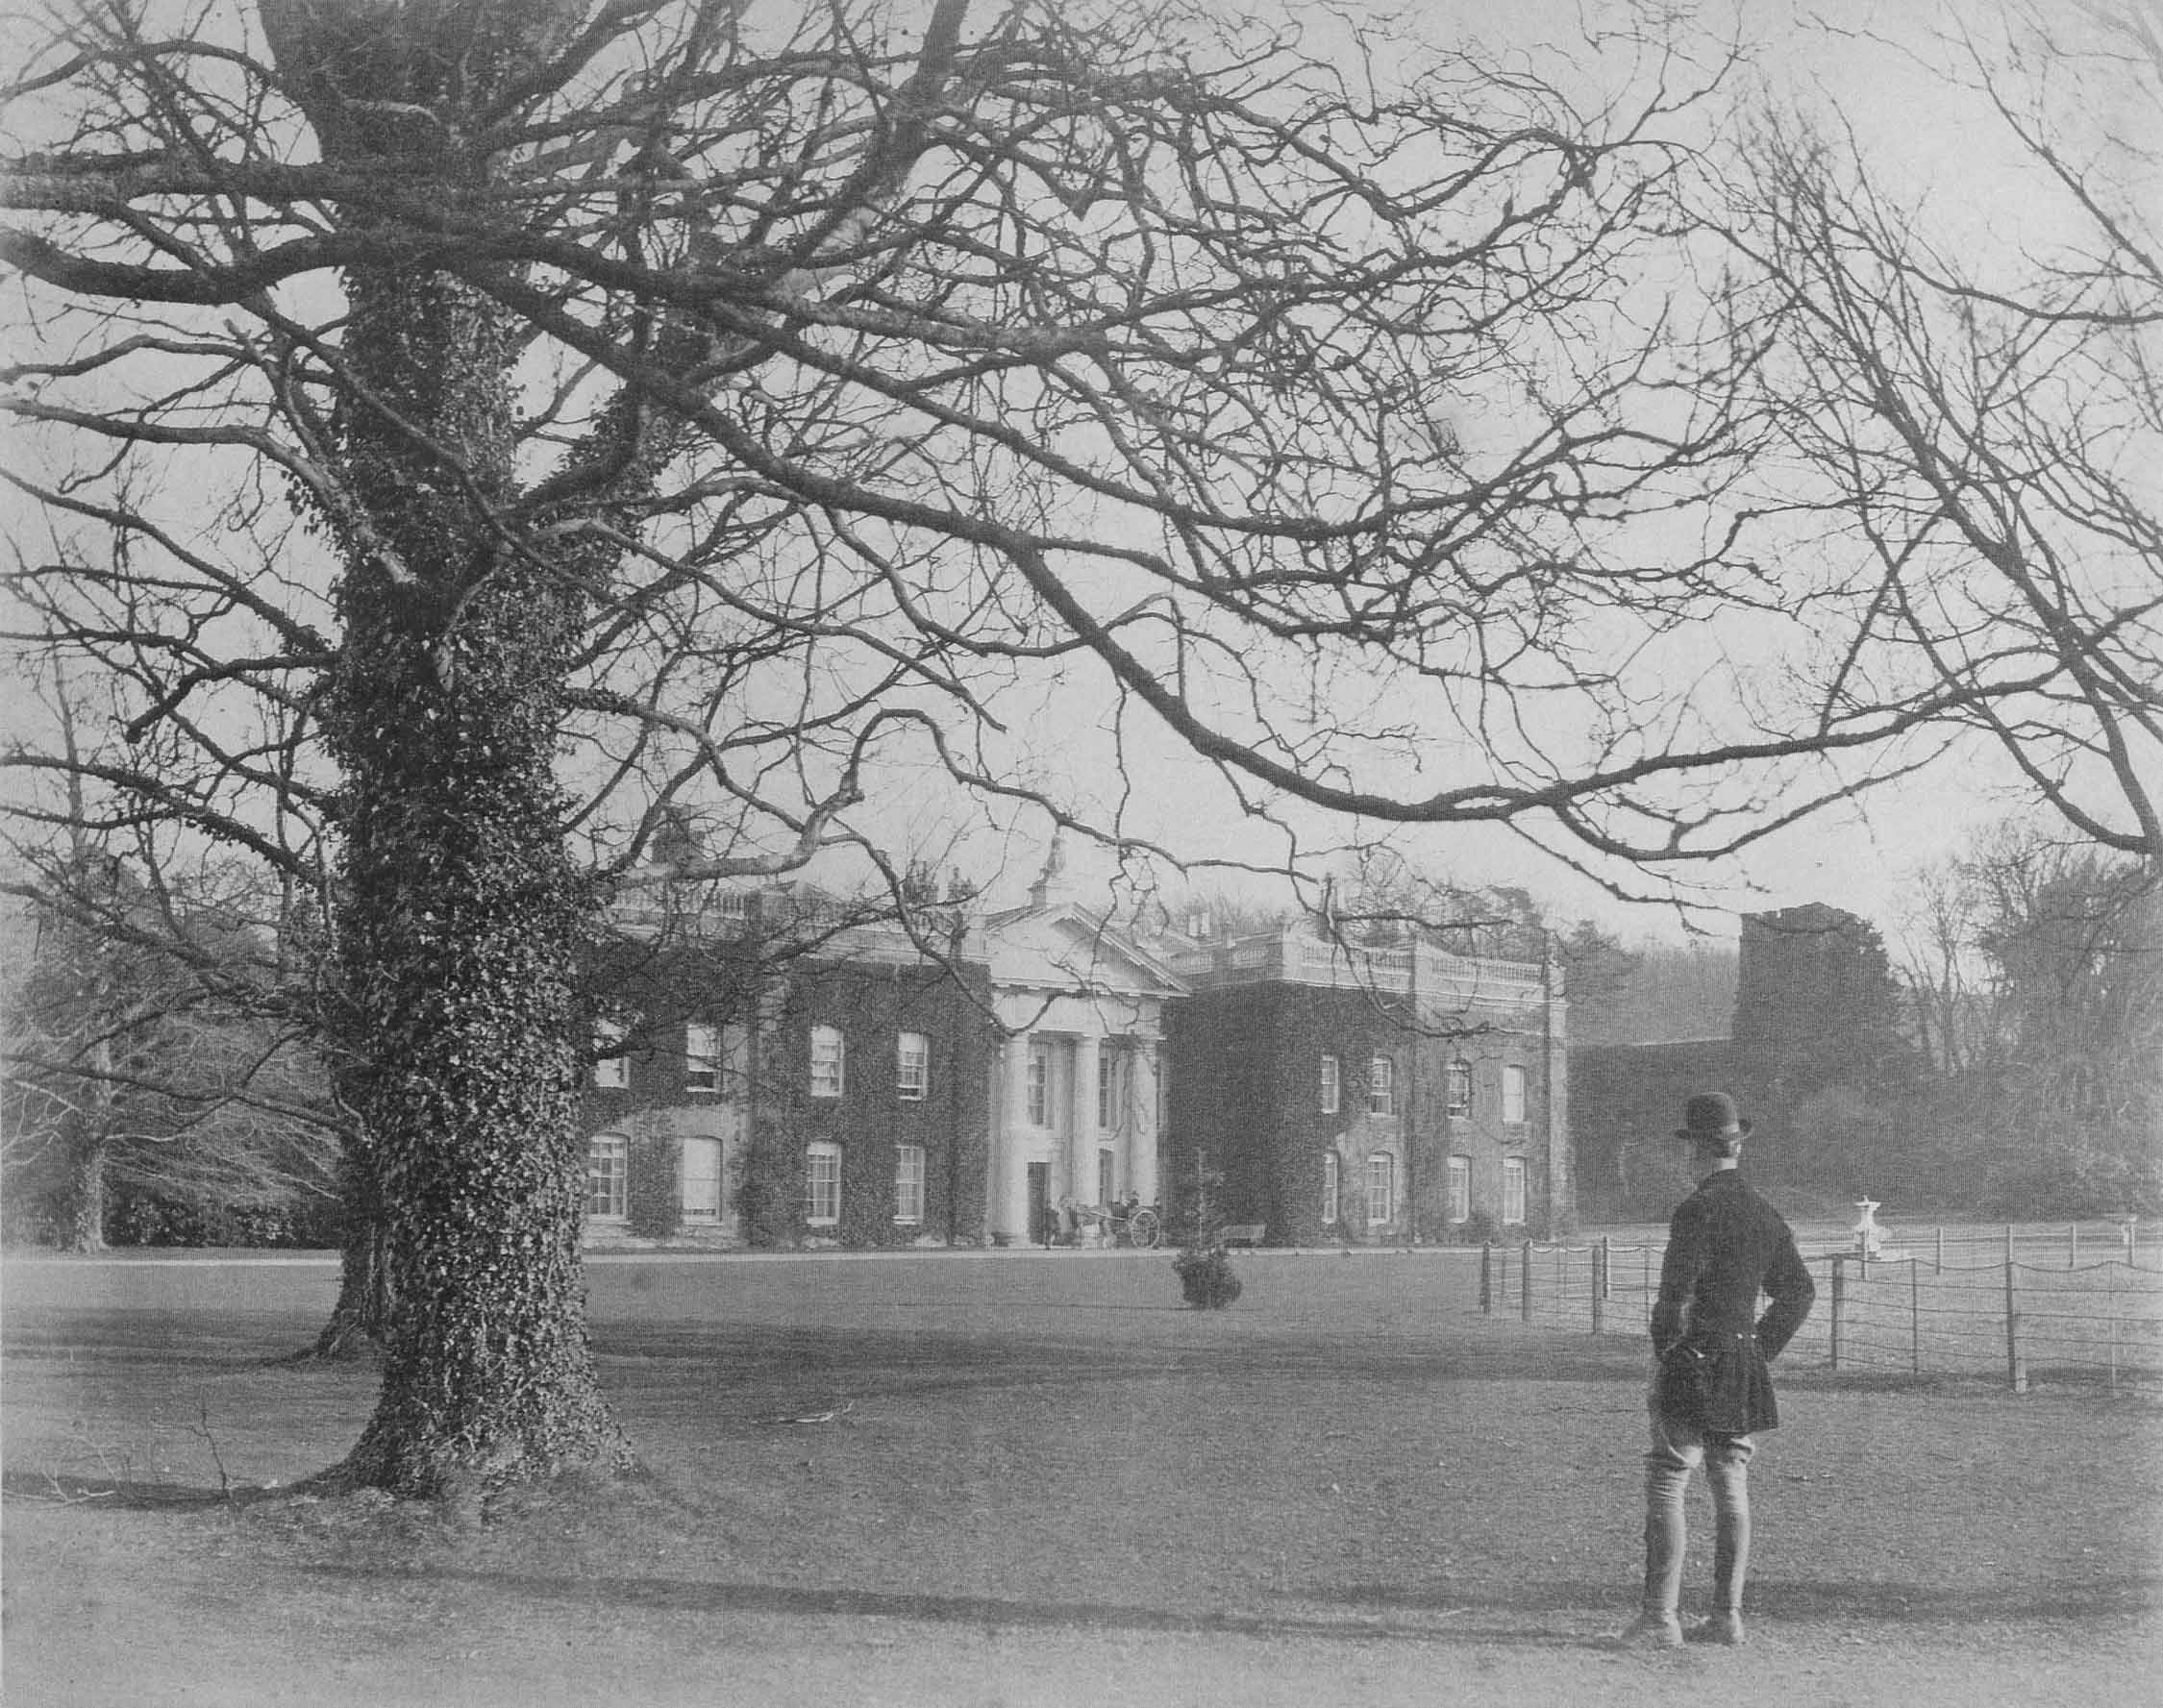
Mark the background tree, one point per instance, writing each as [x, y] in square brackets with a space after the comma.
[2041, 959]
[2075, 940]
[470, 431]
[157, 1065]
[155, 1088]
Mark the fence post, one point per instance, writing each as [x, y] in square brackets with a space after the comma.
[2016, 1373]
[1937, 1267]
[1487, 1277]
[1598, 1283]
[2072, 1245]
[2110, 1277]
[1525, 1281]
[1915, 1316]
[1839, 1287]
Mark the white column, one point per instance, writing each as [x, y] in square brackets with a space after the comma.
[1081, 1139]
[1141, 1160]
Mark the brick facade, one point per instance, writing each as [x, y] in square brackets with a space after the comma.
[1473, 1077]
[710, 1137]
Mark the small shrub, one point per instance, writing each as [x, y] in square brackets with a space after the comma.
[1206, 1276]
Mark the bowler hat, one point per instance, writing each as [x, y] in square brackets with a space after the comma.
[1711, 1115]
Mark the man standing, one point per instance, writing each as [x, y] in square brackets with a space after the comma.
[1711, 1392]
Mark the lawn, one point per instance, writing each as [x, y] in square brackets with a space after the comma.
[1033, 1478]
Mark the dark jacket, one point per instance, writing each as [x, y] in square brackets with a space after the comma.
[1726, 1246]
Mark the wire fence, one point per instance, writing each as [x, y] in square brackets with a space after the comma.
[2015, 1305]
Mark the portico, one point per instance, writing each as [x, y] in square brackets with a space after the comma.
[1080, 1071]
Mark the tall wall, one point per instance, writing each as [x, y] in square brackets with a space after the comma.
[1246, 1090]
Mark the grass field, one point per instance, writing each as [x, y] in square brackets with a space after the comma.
[1033, 1478]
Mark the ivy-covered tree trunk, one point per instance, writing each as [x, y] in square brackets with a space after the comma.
[461, 917]
[460, 911]
[360, 1318]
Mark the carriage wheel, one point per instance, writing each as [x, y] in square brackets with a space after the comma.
[1142, 1228]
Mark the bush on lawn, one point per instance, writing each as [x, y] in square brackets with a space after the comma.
[1206, 1276]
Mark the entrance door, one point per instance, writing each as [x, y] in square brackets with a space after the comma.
[1039, 1204]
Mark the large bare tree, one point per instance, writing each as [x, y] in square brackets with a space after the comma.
[471, 434]
[1965, 392]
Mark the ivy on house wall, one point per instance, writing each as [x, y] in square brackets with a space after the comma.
[1248, 1094]
[653, 1181]
[871, 1005]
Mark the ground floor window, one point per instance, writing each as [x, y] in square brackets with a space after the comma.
[1329, 1189]
[608, 1167]
[909, 1183]
[700, 1175]
[1513, 1189]
[1460, 1188]
[822, 1194]
[1381, 1188]
[1107, 1176]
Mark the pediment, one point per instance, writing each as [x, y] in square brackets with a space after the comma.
[1066, 948]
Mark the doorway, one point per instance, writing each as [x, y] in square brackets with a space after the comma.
[1039, 1204]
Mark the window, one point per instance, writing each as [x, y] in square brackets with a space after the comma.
[699, 1174]
[1329, 1189]
[822, 1186]
[607, 1165]
[1107, 1176]
[701, 1058]
[1381, 1087]
[912, 1066]
[1110, 1104]
[909, 1183]
[1460, 1188]
[1457, 1093]
[1039, 1085]
[1513, 1189]
[1513, 1096]
[826, 1052]
[1333, 1085]
[611, 1068]
[1381, 1188]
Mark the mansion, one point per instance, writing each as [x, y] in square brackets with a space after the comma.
[871, 1087]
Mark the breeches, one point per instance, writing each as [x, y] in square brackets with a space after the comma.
[1675, 1450]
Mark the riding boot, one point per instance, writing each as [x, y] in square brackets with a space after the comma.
[1656, 1625]
[1730, 1551]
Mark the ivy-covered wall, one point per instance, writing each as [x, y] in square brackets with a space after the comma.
[765, 1160]
[871, 1005]
[1246, 1090]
